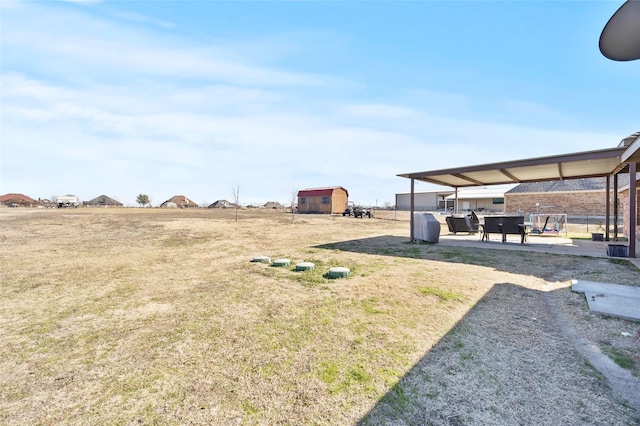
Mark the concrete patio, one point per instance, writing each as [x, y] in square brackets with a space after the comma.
[535, 243]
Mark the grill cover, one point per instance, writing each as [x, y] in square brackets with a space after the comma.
[426, 227]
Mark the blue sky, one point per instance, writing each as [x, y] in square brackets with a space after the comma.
[197, 98]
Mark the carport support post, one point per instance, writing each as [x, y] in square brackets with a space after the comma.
[456, 200]
[411, 204]
[633, 208]
[607, 217]
[615, 207]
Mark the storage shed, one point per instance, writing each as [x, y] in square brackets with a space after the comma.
[323, 200]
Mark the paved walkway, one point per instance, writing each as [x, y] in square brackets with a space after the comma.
[541, 244]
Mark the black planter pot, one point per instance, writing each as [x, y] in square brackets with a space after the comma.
[617, 250]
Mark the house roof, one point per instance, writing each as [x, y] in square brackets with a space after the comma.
[221, 204]
[319, 192]
[16, 197]
[181, 200]
[569, 185]
[273, 205]
[103, 200]
[587, 184]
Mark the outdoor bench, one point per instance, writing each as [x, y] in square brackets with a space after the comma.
[504, 225]
[468, 223]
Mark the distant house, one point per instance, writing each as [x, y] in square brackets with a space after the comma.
[221, 204]
[180, 202]
[273, 205]
[65, 201]
[323, 200]
[580, 197]
[103, 201]
[17, 200]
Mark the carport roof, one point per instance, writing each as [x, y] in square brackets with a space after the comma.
[557, 167]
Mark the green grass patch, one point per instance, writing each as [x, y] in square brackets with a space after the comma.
[451, 254]
[329, 372]
[465, 256]
[413, 252]
[398, 398]
[618, 357]
[370, 306]
[591, 371]
[248, 408]
[443, 295]
[311, 277]
[340, 377]
[621, 262]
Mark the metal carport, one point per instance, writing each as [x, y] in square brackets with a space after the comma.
[599, 163]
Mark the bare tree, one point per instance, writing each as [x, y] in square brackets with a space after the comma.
[236, 199]
[294, 198]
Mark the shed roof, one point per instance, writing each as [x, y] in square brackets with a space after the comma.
[319, 192]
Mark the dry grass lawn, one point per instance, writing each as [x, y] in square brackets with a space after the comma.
[150, 316]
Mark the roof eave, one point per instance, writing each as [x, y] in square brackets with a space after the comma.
[504, 172]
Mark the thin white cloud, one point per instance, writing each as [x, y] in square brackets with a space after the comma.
[169, 139]
[73, 44]
[135, 17]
